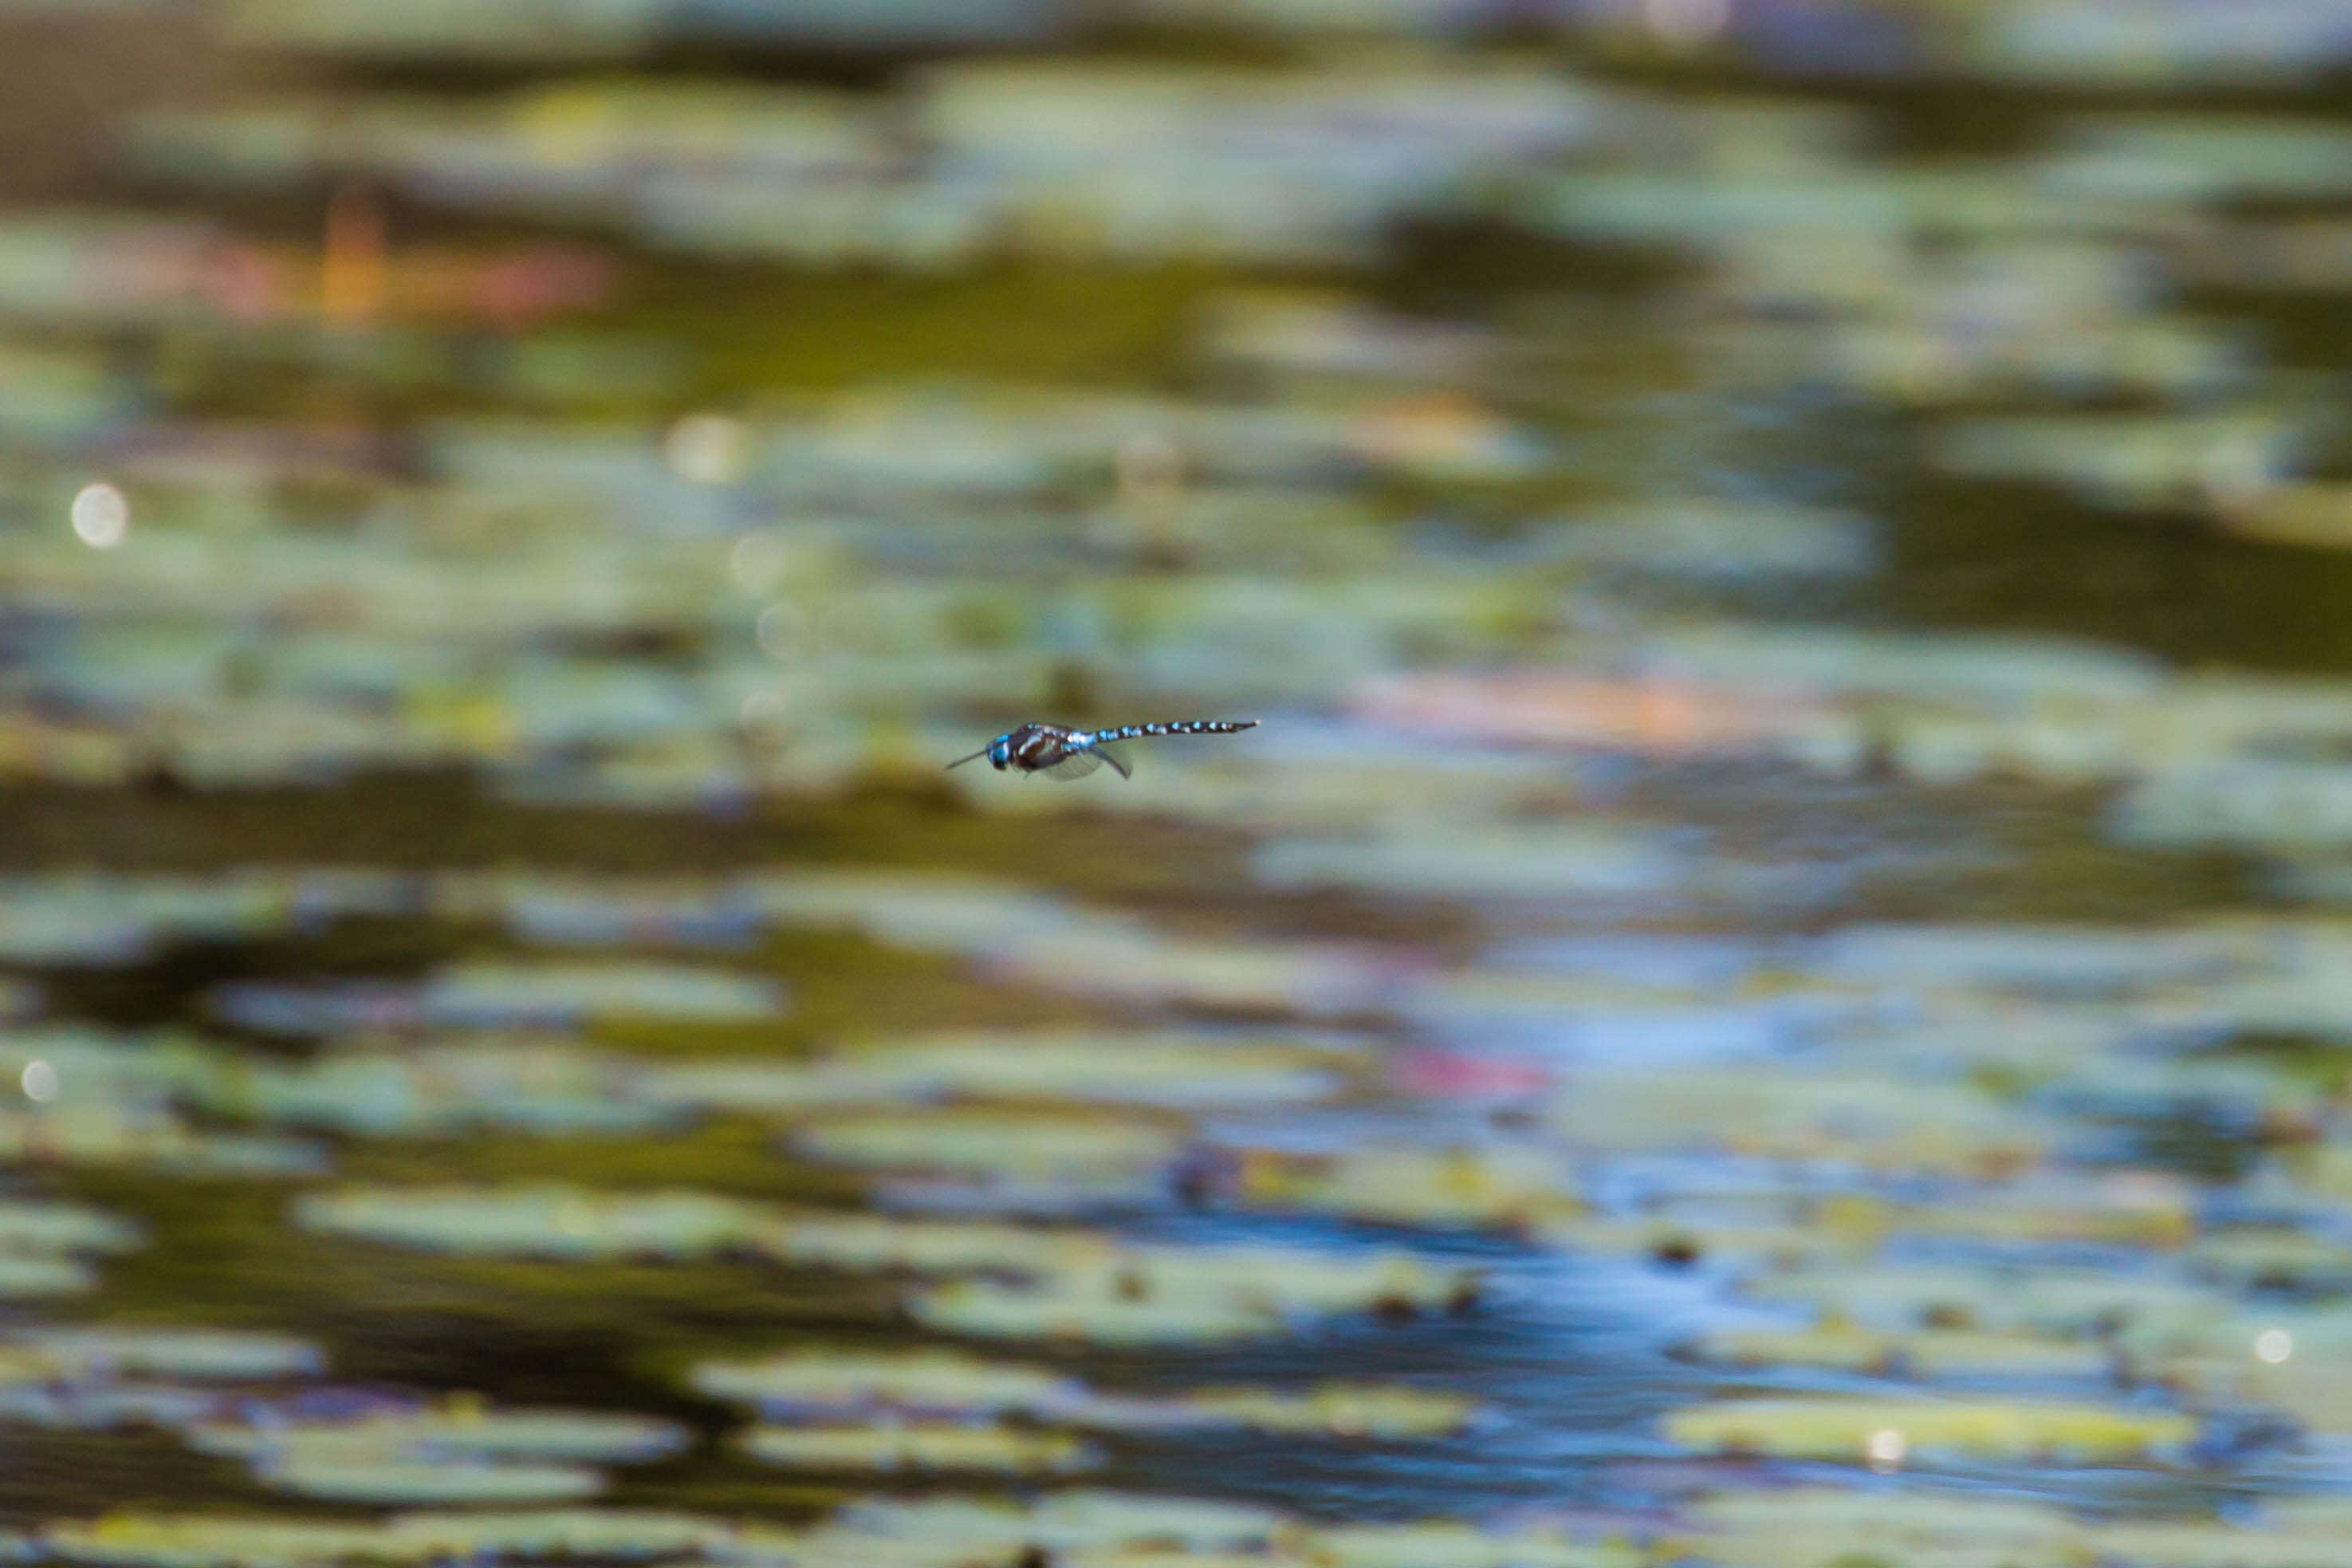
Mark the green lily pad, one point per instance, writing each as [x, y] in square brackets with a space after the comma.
[1084, 1068]
[908, 1380]
[1816, 1527]
[1181, 1295]
[38, 1227]
[1880, 1120]
[2048, 1301]
[1069, 1521]
[921, 1447]
[992, 1142]
[192, 1352]
[549, 1221]
[1459, 1546]
[1888, 1431]
[1924, 1353]
[462, 1428]
[1334, 1409]
[406, 1482]
[1517, 1187]
[23, 1277]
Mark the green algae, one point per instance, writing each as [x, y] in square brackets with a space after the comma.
[445, 820]
[729, 1155]
[753, 333]
[225, 1257]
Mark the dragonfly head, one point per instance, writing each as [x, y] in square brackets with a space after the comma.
[999, 752]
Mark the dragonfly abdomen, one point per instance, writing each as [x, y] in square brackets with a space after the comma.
[1179, 727]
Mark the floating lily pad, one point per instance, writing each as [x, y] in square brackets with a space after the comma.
[1926, 1353]
[1178, 1295]
[2146, 1208]
[1520, 1187]
[1815, 1526]
[988, 1141]
[30, 1277]
[1718, 540]
[911, 1381]
[459, 1428]
[921, 1447]
[92, 1097]
[495, 994]
[45, 1398]
[1069, 1521]
[1854, 1429]
[2285, 1538]
[872, 1242]
[1461, 1546]
[998, 1312]
[576, 915]
[222, 1541]
[1091, 1067]
[404, 1482]
[1151, 968]
[1453, 863]
[2051, 1300]
[112, 920]
[443, 1089]
[64, 1228]
[486, 995]
[562, 1532]
[1882, 1121]
[1149, 1067]
[548, 1221]
[837, 1383]
[909, 909]
[174, 1353]
[229, 1540]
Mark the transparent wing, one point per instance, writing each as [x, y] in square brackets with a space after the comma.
[1117, 758]
[1076, 765]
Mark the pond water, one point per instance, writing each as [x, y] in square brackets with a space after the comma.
[1768, 990]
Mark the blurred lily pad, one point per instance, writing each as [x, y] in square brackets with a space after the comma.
[1885, 1431]
[921, 1446]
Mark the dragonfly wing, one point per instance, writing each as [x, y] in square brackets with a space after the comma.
[1117, 761]
[1076, 765]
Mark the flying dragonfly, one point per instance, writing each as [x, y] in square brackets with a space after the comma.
[1060, 753]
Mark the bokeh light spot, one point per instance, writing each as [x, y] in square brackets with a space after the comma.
[101, 516]
[707, 449]
[39, 1081]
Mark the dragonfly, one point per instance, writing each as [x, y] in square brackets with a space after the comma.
[1060, 753]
